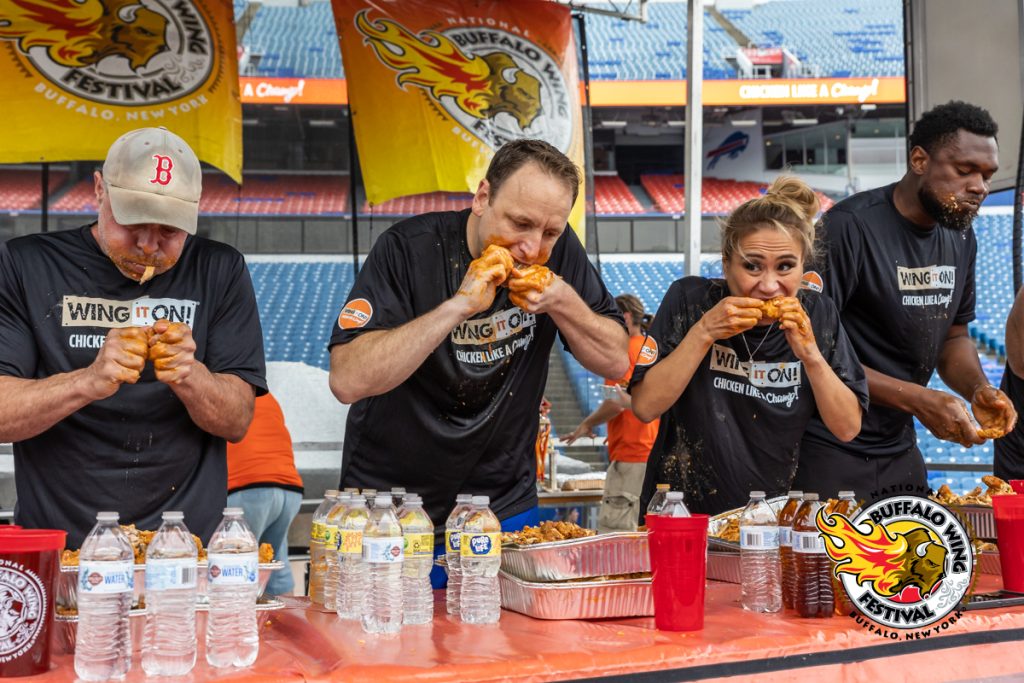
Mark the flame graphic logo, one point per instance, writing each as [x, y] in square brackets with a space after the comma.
[889, 561]
[78, 34]
[481, 86]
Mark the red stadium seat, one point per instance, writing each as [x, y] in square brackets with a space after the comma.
[717, 196]
[21, 190]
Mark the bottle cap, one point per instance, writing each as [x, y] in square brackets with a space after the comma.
[795, 494]
[352, 490]
[464, 498]
[662, 487]
[382, 500]
[330, 493]
[674, 496]
[108, 516]
[413, 498]
[233, 512]
[810, 496]
[481, 501]
[397, 490]
[370, 492]
[757, 494]
[172, 516]
[846, 494]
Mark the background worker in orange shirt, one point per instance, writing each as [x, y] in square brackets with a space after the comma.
[263, 481]
[629, 439]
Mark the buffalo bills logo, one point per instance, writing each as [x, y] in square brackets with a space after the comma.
[732, 147]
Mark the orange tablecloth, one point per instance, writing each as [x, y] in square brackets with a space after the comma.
[301, 642]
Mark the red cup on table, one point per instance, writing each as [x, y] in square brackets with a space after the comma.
[1017, 485]
[678, 547]
[29, 563]
[1009, 515]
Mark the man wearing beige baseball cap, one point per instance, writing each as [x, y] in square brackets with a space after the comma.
[130, 350]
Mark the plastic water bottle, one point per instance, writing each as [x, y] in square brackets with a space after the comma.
[350, 595]
[418, 531]
[480, 550]
[332, 539]
[786, 516]
[383, 555]
[317, 535]
[231, 635]
[106, 584]
[452, 556]
[811, 564]
[169, 648]
[658, 499]
[674, 505]
[398, 496]
[759, 556]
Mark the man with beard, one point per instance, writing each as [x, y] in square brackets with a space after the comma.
[899, 265]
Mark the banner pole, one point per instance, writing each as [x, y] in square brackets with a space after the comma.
[352, 185]
[44, 215]
[588, 146]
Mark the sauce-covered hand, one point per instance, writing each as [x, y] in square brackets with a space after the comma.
[527, 286]
[729, 317]
[119, 361]
[946, 417]
[793, 320]
[994, 412]
[172, 350]
[492, 268]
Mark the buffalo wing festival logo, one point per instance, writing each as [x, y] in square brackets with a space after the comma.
[905, 562]
[23, 609]
[117, 52]
[496, 83]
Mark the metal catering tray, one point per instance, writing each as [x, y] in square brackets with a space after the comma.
[579, 558]
[65, 627]
[718, 522]
[67, 582]
[724, 566]
[577, 600]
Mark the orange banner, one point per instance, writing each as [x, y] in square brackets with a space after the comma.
[293, 90]
[437, 86]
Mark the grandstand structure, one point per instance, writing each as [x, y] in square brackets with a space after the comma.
[293, 214]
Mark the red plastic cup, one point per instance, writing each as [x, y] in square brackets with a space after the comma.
[29, 562]
[1009, 515]
[1017, 485]
[678, 547]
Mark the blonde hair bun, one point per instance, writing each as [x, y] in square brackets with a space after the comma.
[796, 194]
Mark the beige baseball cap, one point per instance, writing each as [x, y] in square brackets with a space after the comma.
[153, 176]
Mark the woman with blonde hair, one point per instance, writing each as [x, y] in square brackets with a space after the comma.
[737, 366]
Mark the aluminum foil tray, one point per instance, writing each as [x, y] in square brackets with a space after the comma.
[67, 582]
[724, 566]
[979, 520]
[718, 522]
[577, 600]
[579, 558]
[65, 627]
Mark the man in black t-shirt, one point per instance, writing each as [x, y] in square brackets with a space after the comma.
[130, 349]
[1009, 451]
[899, 265]
[443, 348]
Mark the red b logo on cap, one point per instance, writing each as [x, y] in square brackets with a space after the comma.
[163, 170]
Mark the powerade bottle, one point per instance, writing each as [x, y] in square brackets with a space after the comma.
[418, 532]
[169, 648]
[453, 558]
[759, 556]
[332, 539]
[317, 537]
[480, 550]
[383, 556]
[812, 564]
[786, 516]
[232, 587]
[106, 584]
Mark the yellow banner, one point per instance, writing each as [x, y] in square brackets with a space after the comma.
[436, 86]
[77, 74]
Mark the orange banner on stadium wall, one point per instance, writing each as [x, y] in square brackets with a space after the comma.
[77, 74]
[436, 86]
[293, 90]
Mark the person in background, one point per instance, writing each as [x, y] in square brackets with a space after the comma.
[629, 439]
[899, 265]
[1009, 450]
[263, 481]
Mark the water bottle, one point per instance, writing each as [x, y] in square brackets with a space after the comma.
[418, 532]
[811, 564]
[332, 537]
[452, 531]
[169, 647]
[398, 496]
[370, 495]
[317, 535]
[231, 585]
[106, 584]
[759, 556]
[674, 505]
[786, 516]
[350, 593]
[383, 556]
[480, 551]
[658, 499]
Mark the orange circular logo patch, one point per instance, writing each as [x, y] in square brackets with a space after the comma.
[812, 281]
[356, 313]
[648, 352]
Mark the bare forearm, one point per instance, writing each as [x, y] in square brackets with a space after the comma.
[377, 362]
[837, 404]
[665, 382]
[608, 410]
[598, 343]
[28, 407]
[891, 392]
[219, 404]
[959, 366]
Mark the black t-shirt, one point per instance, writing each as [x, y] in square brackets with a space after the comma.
[466, 420]
[737, 426]
[899, 288]
[1009, 450]
[138, 451]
